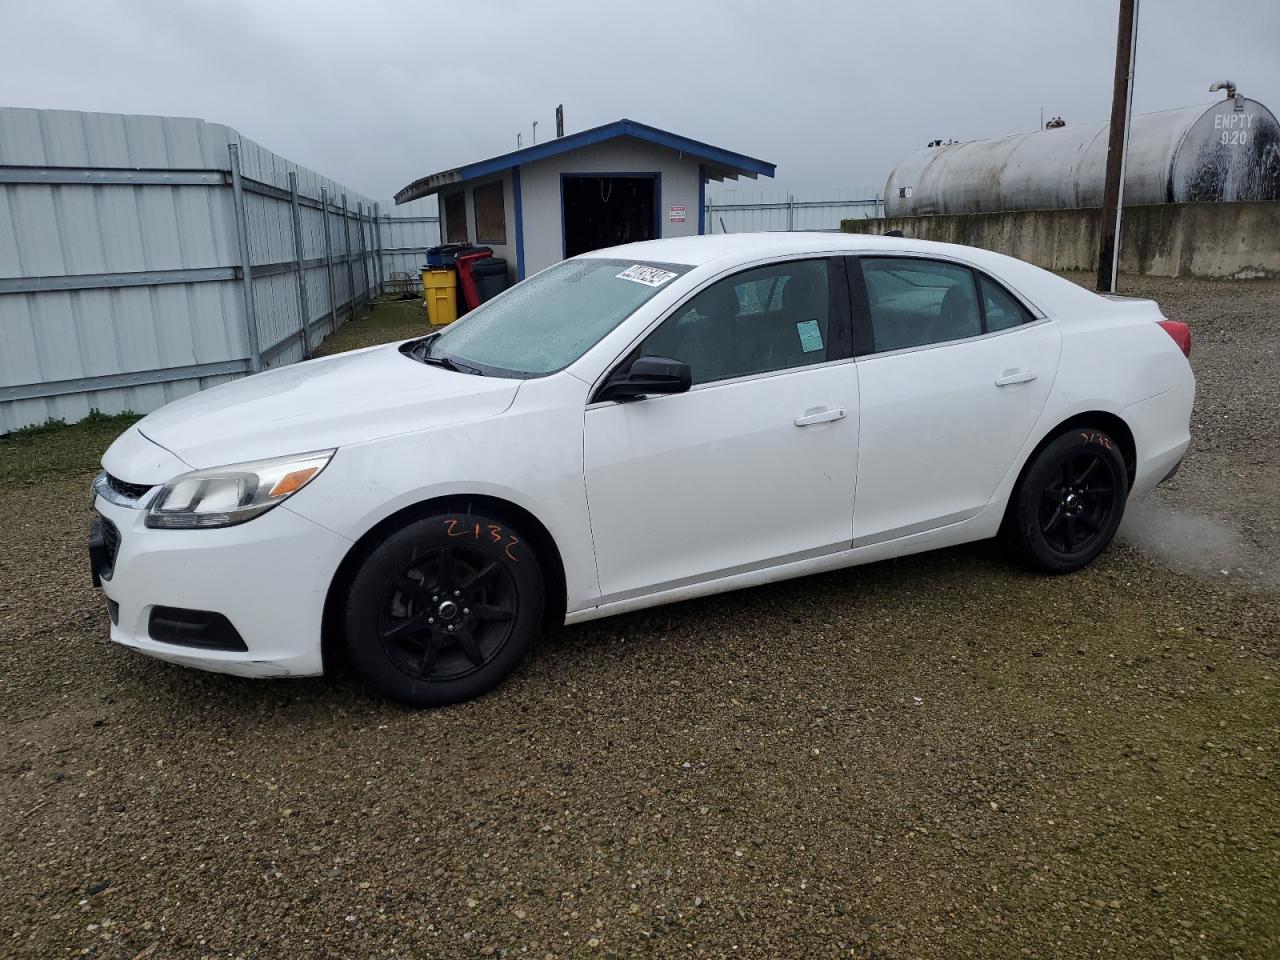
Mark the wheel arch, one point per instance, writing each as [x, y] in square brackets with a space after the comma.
[1100, 419]
[536, 532]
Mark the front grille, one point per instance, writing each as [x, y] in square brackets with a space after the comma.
[130, 491]
[111, 541]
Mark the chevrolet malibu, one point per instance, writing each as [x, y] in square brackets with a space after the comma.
[633, 427]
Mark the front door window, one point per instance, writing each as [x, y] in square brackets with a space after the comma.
[759, 321]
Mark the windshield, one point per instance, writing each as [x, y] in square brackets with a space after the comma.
[548, 321]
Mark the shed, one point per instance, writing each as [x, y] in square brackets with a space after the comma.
[617, 183]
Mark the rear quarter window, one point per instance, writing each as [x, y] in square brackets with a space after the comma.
[1002, 310]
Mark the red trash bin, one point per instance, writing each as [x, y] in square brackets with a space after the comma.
[467, 277]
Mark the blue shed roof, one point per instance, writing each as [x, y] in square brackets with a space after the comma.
[719, 163]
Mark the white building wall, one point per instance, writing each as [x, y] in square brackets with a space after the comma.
[505, 250]
[540, 191]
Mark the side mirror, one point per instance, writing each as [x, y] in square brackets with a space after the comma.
[645, 376]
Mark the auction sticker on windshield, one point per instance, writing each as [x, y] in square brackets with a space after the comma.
[649, 276]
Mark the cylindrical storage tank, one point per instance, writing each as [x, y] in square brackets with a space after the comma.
[1227, 151]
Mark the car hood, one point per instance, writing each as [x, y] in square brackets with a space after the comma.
[347, 398]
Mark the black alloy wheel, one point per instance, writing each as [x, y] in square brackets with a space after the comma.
[443, 609]
[1069, 502]
[1075, 505]
[447, 613]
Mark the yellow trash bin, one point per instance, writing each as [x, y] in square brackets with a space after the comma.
[440, 294]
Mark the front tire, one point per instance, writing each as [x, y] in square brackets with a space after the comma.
[1069, 503]
[443, 609]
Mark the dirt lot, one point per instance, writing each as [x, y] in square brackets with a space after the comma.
[936, 757]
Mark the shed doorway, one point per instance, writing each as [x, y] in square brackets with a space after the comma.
[604, 211]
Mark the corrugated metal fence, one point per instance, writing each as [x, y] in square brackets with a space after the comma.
[145, 258]
[405, 235]
[746, 211]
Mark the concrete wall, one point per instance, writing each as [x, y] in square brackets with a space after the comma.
[1229, 240]
[540, 191]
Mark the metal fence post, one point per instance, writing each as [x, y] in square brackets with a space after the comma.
[246, 267]
[351, 273]
[791, 211]
[377, 245]
[328, 259]
[364, 256]
[304, 311]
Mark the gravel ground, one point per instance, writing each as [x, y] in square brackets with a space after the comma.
[935, 757]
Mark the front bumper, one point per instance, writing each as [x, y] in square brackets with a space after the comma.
[268, 577]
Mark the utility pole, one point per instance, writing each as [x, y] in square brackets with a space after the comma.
[535, 131]
[560, 120]
[1117, 147]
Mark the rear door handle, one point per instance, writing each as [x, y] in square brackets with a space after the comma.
[821, 416]
[1016, 376]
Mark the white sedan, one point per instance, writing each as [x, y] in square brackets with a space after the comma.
[632, 427]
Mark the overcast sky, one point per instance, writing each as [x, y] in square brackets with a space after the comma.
[379, 92]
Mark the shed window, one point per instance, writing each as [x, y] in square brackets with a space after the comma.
[455, 218]
[491, 214]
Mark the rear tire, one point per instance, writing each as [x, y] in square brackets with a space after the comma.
[443, 609]
[1069, 503]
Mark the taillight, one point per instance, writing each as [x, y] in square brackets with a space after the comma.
[1181, 334]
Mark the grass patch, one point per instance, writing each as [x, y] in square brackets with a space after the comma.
[56, 450]
[392, 320]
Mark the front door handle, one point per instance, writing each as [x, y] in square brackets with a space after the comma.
[820, 416]
[1016, 376]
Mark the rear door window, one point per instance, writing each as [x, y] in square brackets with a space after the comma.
[915, 302]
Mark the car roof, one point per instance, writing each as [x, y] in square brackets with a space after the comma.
[698, 250]
[1047, 290]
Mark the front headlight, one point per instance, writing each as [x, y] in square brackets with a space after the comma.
[225, 496]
